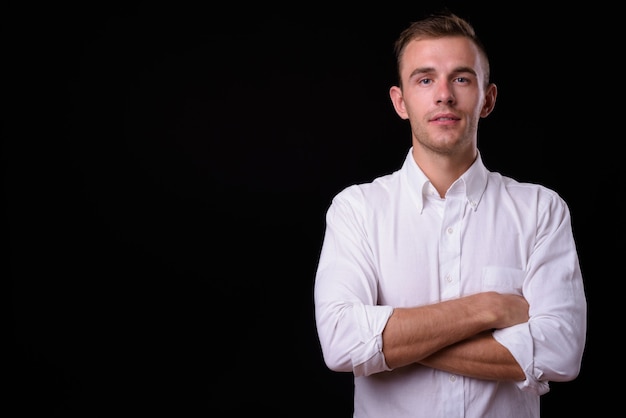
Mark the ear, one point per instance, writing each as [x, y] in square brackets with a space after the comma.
[397, 100]
[490, 100]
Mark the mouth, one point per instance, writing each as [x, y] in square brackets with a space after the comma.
[445, 118]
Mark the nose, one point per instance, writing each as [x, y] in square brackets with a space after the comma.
[445, 94]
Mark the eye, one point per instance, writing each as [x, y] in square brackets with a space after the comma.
[461, 80]
[425, 81]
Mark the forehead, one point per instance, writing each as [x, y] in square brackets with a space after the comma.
[441, 54]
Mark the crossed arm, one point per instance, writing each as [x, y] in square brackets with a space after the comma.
[455, 336]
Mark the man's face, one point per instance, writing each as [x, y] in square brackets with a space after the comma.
[443, 93]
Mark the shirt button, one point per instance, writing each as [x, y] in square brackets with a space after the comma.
[450, 230]
[452, 378]
[448, 278]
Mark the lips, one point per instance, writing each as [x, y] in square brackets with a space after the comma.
[445, 117]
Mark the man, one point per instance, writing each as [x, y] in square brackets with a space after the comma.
[447, 289]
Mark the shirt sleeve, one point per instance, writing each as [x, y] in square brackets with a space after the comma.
[549, 347]
[348, 320]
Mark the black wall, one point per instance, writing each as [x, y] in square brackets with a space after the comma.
[167, 171]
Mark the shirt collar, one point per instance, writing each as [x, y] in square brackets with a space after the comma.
[472, 183]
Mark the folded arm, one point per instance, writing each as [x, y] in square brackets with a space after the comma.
[456, 336]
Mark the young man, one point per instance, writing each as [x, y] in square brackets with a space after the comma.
[447, 289]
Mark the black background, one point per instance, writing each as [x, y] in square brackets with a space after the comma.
[168, 168]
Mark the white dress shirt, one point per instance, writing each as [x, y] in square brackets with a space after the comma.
[395, 243]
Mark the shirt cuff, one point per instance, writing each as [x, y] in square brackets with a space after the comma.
[518, 340]
[368, 356]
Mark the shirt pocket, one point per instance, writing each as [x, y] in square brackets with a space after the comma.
[503, 279]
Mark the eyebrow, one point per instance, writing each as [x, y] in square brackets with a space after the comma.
[457, 70]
